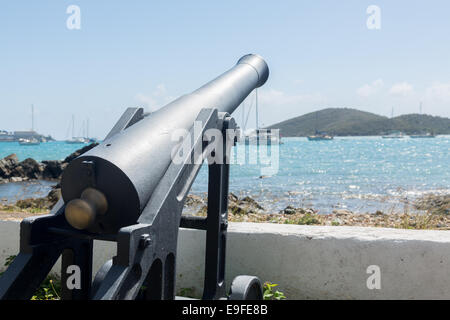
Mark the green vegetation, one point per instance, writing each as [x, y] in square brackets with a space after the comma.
[270, 294]
[306, 219]
[352, 122]
[50, 289]
[34, 206]
[422, 222]
[187, 293]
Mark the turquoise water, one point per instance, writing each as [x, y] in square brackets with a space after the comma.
[362, 174]
[11, 192]
[54, 150]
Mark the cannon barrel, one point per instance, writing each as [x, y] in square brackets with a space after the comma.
[108, 187]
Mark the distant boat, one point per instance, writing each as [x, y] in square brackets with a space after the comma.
[262, 136]
[426, 135]
[77, 140]
[259, 136]
[429, 134]
[6, 136]
[29, 142]
[320, 137]
[394, 135]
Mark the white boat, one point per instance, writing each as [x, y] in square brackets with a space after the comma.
[6, 136]
[77, 140]
[262, 136]
[29, 142]
[419, 136]
[259, 136]
[320, 136]
[394, 135]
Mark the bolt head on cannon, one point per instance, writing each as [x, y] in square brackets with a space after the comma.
[81, 213]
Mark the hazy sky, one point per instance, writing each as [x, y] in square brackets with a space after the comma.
[145, 53]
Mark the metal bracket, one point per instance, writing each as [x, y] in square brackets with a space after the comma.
[128, 118]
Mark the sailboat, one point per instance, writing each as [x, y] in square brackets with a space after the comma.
[76, 140]
[319, 136]
[393, 134]
[31, 141]
[423, 135]
[258, 136]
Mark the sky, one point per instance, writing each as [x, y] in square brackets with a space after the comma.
[146, 53]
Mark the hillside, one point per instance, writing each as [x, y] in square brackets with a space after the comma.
[352, 122]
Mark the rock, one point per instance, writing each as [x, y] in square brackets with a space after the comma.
[7, 165]
[342, 212]
[193, 199]
[28, 168]
[53, 196]
[435, 204]
[80, 152]
[53, 169]
[289, 210]
[239, 210]
[250, 202]
[16, 179]
[309, 211]
[12, 158]
[232, 197]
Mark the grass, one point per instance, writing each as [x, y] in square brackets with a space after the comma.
[307, 219]
[423, 222]
[16, 208]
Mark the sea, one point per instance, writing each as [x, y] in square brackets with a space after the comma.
[360, 174]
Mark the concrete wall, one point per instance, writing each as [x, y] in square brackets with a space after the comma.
[311, 262]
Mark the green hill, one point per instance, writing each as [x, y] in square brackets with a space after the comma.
[352, 122]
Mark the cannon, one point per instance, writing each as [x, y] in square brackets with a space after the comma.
[129, 190]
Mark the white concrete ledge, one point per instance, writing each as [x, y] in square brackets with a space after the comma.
[310, 262]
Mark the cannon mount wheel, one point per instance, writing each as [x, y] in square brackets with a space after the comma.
[246, 288]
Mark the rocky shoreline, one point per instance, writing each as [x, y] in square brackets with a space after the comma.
[13, 170]
[435, 209]
[436, 213]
